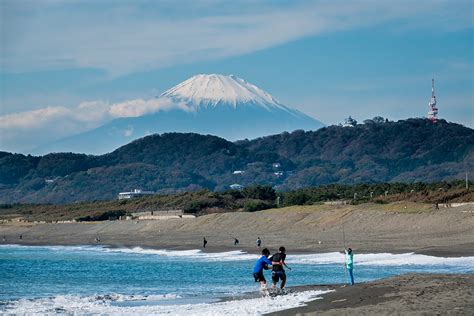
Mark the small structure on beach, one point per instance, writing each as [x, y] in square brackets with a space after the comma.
[134, 194]
[161, 215]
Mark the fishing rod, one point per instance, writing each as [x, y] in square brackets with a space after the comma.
[344, 242]
[343, 235]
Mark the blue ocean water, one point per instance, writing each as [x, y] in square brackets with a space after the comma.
[35, 274]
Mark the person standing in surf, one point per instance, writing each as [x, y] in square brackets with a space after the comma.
[262, 264]
[278, 273]
[350, 264]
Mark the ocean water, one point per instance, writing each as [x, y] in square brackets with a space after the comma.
[101, 280]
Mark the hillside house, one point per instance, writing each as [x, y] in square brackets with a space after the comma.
[133, 194]
[236, 186]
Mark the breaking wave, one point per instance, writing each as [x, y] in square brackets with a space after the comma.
[105, 305]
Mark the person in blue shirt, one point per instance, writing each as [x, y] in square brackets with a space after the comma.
[350, 264]
[262, 264]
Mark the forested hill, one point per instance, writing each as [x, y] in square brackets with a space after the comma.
[403, 151]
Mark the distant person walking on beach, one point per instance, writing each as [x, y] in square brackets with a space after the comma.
[204, 242]
[259, 242]
[21, 237]
[350, 264]
[4, 238]
[260, 265]
[236, 241]
[278, 273]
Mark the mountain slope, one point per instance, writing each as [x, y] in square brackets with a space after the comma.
[212, 90]
[411, 150]
[225, 106]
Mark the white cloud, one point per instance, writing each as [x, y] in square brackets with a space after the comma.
[25, 130]
[124, 37]
[33, 119]
[139, 107]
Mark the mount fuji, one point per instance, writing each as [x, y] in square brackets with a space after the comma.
[225, 106]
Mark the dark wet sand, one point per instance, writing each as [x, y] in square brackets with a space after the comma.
[411, 294]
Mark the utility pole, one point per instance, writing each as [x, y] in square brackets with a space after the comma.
[467, 181]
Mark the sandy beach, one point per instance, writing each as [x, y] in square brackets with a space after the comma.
[411, 294]
[368, 228]
[306, 229]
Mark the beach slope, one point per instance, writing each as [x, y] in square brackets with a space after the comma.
[394, 228]
[411, 294]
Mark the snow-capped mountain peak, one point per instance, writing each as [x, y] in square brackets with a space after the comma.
[213, 89]
[226, 106]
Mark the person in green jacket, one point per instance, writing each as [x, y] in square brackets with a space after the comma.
[350, 264]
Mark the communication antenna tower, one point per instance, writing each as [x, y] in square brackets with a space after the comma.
[433, 112]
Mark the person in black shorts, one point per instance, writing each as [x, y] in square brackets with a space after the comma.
[278, 273]
[262, 264]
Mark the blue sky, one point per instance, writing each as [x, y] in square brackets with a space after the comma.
[64, 62]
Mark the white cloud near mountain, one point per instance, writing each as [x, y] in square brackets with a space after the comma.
[90, 113]
[139, 107]
[126, 37]
[54, 122]
[32, 119]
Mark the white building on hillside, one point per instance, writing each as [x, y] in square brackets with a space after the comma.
[349, 122]
[236, 186]
[133, 194]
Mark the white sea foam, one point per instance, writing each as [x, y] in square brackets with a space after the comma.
[236, 255]
[105, 305]
[374, 259]
[197, 254]
[370, 259]
[382, 259]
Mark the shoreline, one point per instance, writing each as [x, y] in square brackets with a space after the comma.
[424, 293]
[302, 230]
[419, 293]
[464, 250]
